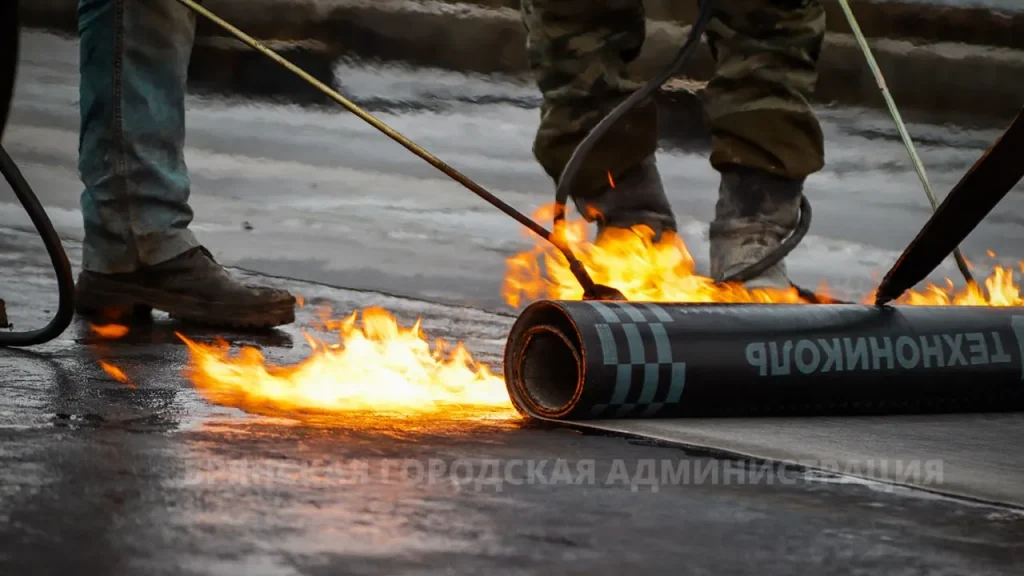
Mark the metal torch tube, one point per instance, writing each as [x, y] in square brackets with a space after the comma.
[590, 360]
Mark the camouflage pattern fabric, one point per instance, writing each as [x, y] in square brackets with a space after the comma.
[578, 51]
[766, 53]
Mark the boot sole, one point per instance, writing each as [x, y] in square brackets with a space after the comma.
[115, 300]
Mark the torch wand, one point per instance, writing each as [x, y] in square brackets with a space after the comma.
[591, 290]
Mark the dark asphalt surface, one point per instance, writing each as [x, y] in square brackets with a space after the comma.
[99, 478]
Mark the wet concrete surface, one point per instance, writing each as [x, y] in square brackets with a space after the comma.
[935, 60]
[99, 478]
[329, 199]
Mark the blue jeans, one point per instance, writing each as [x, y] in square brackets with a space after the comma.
[134, 62]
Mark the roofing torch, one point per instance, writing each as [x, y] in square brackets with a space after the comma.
[591, 290]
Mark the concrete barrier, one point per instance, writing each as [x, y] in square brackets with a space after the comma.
[938, 78]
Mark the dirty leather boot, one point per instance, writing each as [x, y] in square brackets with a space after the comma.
[755, 212]
[192, 287]
[638, 197]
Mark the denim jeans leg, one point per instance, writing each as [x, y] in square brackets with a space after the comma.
[134, 57]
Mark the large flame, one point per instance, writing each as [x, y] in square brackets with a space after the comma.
[381, 368]
[377, 366]
[664, 271]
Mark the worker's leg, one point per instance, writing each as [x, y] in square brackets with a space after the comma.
[766, 139]
[138, 248]
[578, 51]
[134, 58]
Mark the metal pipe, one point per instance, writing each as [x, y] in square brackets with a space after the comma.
[602, 360]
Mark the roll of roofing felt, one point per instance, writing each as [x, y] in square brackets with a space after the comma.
[587, 360]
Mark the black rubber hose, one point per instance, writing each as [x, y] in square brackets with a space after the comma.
[781, 251]
[9, 40]
[65, 276]
[575, 163]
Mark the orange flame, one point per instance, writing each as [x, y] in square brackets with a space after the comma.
[109, 331]
[116, 373]
[664, 271]
[629, 260]
[384, 369]
[378, 366]
[1000, 290]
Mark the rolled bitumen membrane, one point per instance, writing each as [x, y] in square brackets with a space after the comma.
[603, 360]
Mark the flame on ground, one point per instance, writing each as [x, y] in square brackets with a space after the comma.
[377, 366]
[109, 331]
[380, 368]
[116, 373]
[664, 271]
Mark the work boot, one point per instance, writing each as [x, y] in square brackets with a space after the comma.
[192, 287]
[637, 197]
[755, 212]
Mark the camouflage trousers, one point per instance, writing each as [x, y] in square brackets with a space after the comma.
[766, 54]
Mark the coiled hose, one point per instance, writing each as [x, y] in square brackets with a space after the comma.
[10, 30]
